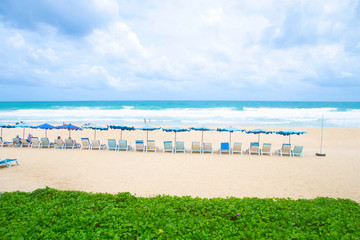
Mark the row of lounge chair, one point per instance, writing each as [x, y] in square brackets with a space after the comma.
[150, 146]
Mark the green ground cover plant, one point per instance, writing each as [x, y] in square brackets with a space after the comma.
[53, 214]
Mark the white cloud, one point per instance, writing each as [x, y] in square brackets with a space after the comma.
[17, 40]
[212, 16]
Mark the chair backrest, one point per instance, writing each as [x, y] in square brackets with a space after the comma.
[286, 148]
[139, 144]
[1, 141]
[298, 149]
[45, 141]
[69, 142]
[168, 145]
[85, 142]
[207, 146]
[111, 143]
[123, 144]
[59, 142]
[151, 144]
[266, 147]
[196, 146]
[254, 146]
[35, 140]
[16, 140]
[180, 145]
[224, 146]
[95, 143]
[237, 146]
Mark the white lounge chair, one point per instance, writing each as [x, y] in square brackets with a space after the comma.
[237, 148]
[85, 143]
[4, 144]
[195, 147]
[179, 147]
[139, 146]
[254, 148]
[35, 142]
[123, 145]
[46, 143]
[266, 149]
[168, 147]
[59, 144]
[95, 144]
[24, 143]
[285, 150]
[69, 143]
[207, 148]
[298, 151]
[151, 146]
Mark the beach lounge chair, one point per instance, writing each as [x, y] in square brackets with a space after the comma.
[207, 148]
[266, 149]
[254, 148]
[8, 162]
[139, 146]
[179, 147]
[85, 143]
[24, 143]
[168, 147]
[4, 144]
[59, 144]
[123, 145]
[17, 142]
[112, 145]
[285, 150]
[46, 143]
[35, 142]
[69, 143]
[224, 148]
[95, 144]
[195, 147]
[298, 151]
[151, 146]
[237, 148]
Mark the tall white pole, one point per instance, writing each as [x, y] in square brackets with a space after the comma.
[321, 154]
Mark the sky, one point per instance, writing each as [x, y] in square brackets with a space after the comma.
[271, 50]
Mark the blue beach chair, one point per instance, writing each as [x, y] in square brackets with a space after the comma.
[123, 145]
[168, 147]
[224, 147]
[179, 147]
[139, 145]
[8, 162]
[254, 148]
[112, 145]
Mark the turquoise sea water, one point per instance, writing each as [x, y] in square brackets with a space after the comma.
[211, 113]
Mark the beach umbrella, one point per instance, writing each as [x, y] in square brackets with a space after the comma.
[45, 126]
[175, 130]
[259, 131]
[230, 130]
[69, 127]
[95, 127]
[202, 129]
[5, 126]
[23, 125]
[148, 128]
[121, 127]
[290, 132]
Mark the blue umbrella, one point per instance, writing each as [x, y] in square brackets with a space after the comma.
[69, 127]
[202, 129]
[148, 128]
[95, 127]
[23, 125]
[290, 132]
[230, 130]
[45, 126]
[259, 131]
[175, 130]
[121, 128]
[5, 126]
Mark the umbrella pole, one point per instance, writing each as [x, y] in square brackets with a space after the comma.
[202, 138]
[230, 139]
[289, 138]
[121, 134]
[46, 133]
[259, 139]
[69, 133]
[95, 134]
[175, 137]
[147, 136]
[23, 132]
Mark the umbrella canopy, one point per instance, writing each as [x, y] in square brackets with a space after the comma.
[5, 126]
[175, 130]
[45, 126]
[69, 127]
[259, 131]
[95, 127]
[23, 125]
[202, 129]
[121, 127]
[230, 130]
[148, 128]
[290, 132]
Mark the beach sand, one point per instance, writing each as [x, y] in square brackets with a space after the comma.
[148, 174]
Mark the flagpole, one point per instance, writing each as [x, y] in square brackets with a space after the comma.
[321, 154]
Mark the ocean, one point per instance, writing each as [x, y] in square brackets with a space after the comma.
[185, 113]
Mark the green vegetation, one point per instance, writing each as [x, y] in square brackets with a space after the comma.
[53, 214]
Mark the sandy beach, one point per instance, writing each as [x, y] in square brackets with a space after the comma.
[148, 174]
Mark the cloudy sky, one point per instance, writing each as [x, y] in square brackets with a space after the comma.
[180, 50]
